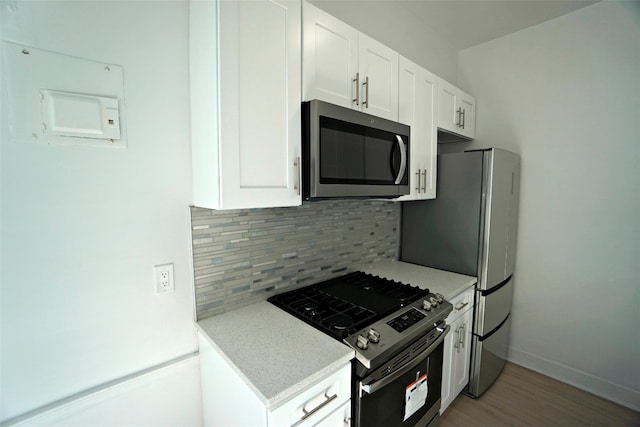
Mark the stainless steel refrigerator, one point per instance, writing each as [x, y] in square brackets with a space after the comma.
[470, 228]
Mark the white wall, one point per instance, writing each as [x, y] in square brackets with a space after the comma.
[82, 227]
[395, 26]
[162, 397]
[565, 94]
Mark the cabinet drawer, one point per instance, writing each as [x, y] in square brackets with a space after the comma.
[315, 403]
[461, 304]
[341, 417]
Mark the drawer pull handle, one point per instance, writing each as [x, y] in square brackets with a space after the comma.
[307, 414]
[461, 306]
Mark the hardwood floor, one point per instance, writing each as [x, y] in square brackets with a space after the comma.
[521, 397]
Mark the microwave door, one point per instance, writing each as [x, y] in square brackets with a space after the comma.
[347, 153]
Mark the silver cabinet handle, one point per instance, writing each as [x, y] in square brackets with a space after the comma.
[298, 183]
[463, 327]
[464, 116]
[459, 117]
[307, 414]
[457, 343]
[357, 82]
[418, 181]
[461, 305]
[424, 179]
[366, 92]
[403, 158]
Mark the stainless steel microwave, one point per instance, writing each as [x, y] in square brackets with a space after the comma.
[348, 153]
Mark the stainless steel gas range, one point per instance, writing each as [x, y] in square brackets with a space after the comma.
[397, 332]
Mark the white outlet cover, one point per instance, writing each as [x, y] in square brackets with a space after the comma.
[161, 284]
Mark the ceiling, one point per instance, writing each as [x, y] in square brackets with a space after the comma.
[466, 23]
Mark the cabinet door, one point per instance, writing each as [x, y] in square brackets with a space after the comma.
[467, 104]
[428, 131]
[447, 393]
[221, 403]
[408, 78]
[457, 350]
[330, 58]
[417, 97]
[448, 117]
[463, 353]
[260, 103]
[456, 110]
[378, 67]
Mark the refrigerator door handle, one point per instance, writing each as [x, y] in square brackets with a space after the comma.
[485, 292]
[494, 330]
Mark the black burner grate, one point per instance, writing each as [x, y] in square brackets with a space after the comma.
[346, 304]
[335, 316]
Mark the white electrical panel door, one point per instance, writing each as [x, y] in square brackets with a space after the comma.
[63, 100]
[78, 115]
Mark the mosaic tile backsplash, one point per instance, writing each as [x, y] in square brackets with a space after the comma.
[245, 256]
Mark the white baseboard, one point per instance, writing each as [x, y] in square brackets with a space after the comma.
[577, 378]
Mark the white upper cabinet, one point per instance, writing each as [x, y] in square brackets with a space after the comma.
[330, 58]
[245, 103]
[378, 77]
[417, 108]
[347, 68]
[456, 111]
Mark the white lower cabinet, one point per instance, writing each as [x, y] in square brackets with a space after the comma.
[457, 349]
[318, 405]
[338, 418]
[227, 400]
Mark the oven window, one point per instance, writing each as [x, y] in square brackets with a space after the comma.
[386, 406]
[354, 154]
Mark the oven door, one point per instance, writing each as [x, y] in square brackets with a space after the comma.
[403, 397]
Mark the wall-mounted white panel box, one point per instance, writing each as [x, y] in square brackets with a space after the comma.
[61, 99]
[78, 115]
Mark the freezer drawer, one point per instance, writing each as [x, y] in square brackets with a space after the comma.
[488, 357]
[492, 307]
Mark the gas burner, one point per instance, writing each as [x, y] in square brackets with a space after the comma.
[339, 322]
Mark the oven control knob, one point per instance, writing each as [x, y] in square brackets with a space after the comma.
[426, 305]
[434, 301]
[374, 336]
[440, 298]
[362, 342]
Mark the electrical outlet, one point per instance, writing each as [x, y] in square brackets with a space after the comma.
[163, 277]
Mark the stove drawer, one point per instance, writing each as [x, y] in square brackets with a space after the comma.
[316, 403]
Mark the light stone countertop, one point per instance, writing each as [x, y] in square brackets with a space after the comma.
[275, 354]
[278, 355]
[446, 283]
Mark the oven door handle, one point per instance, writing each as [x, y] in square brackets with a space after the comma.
[377, 385]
